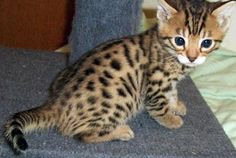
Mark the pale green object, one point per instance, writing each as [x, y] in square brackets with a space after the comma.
[216, 81]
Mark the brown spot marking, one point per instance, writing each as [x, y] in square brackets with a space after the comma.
[121, 92]
[107, 56]
[79, 106]
[115, 64]
[104, 81]
[106, 105]
[117, 114]
[90, 86]
[106, 94]
[92, 100]
[97, 61]
[89, 71]
[108, 75]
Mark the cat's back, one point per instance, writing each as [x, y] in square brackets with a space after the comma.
[107, 61]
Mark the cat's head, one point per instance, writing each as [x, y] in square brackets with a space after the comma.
[191, 29]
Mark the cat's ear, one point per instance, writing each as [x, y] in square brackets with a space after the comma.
[166, 9]
[222, 11]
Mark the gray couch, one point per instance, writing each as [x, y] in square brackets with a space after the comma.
[24, 79]
[26, 75]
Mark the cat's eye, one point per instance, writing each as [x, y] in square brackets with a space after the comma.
[207, 43]
[179, 41]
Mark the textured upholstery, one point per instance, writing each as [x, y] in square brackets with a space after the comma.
[98, 21]
[24, 79]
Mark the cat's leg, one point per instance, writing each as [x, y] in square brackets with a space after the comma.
[159, 109]
[176, 106]
[108, 133]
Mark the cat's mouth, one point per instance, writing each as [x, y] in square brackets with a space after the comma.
[184, 60]
[191, 64]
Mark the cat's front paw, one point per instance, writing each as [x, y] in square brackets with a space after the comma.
[179, 109]
[171, 121]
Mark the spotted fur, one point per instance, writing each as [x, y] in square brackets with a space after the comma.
[93, 98]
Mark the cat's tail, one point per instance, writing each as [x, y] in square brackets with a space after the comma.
[45, 116]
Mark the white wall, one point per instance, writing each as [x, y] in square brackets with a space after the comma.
[230, 39]
[150, 4]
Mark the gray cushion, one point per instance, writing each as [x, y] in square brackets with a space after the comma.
[98, 21]
[24, 79]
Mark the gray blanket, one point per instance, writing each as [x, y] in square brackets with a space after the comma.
[24, 79]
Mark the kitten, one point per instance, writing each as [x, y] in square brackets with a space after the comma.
[93, 98]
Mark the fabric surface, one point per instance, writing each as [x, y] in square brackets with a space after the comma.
[24, 79]
[98, 21]
[216, 80]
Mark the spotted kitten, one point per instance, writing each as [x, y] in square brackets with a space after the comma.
[93, 98]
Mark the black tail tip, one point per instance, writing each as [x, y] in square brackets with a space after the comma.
[21, 144]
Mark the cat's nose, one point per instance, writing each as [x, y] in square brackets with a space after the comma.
[192, 59]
